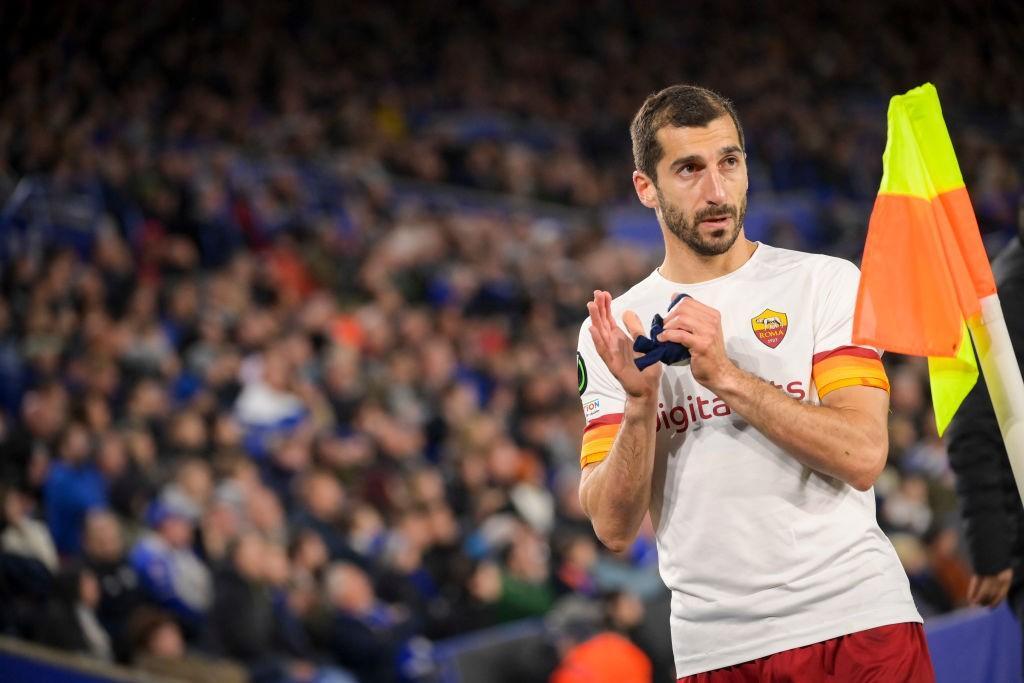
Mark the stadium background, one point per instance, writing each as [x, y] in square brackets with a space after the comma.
[305, 278]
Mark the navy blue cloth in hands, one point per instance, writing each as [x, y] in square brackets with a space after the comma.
[668, 352]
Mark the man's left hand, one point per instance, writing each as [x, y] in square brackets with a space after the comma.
[699, 328]
[989, 590]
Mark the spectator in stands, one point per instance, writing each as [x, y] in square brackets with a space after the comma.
[241, 620]
[170, 572]
[578, 556]
[120, 593]
[22, 535]
[320, 510]
[526, 588]
[158, 646]
[69, 620]
[477, 605]
[990, 502]
[367, 636]
[73, 487]
[31, 443]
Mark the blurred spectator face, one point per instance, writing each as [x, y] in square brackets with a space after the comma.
[323, 496]
[275, 564]
[414, 526]
[473, 471]
[195, 479]
[504, 462]
[528, 558]
[485, 582]
[227, 434]
[428, 486]
[264, 511]
[625, 611]
[907, 395]
[112, 457]
[402, 555]
[177, 531]
[293, 455]
[97, 412]
[189, 433]
[366, 527]
[74, 444]
[184, 303]
[149, 400]
[166, 641]
[581, 552]
[15, 506]
[712, 186]
[276, 371]
[102, 540]
[248, 557]
[444, 528]
[349, 589]
[142, 447]
[310, 552]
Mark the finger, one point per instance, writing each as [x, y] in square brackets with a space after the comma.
[606, 299]
[689, 324]
[633, 324]
[602, 347]
[987, 591]
[686, 309]
[604, 343]
[600, 320]
[684, 337]
[972, 591]
[605, 304]
[595, 309]
[691, 308]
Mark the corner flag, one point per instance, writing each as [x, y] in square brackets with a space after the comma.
[924, 269]
[926, 286]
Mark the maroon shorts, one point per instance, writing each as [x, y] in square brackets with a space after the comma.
[897, 653]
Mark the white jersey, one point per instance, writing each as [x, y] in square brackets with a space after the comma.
[761, 553]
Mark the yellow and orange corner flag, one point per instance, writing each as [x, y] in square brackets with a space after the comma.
[924, 269]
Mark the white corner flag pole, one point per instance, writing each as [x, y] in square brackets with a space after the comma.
[1003, 378]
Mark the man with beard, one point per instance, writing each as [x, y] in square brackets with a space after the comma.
[756, 455]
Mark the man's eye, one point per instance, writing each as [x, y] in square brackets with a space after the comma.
[731, 162]
[687, 169]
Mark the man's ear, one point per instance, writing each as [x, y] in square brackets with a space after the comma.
[645, 190]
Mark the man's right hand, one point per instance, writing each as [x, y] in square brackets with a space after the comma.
[616, 348]
[989, 590]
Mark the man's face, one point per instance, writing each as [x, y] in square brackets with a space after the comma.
[701, 187]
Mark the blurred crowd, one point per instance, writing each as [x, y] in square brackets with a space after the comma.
[261, 403]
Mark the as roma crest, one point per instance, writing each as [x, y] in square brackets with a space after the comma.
[770, 327]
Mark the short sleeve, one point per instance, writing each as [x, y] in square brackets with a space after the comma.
[603, 400]
[837, 361]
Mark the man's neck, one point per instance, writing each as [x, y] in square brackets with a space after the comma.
[685, 266]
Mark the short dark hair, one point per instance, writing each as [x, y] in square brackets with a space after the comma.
[680, 106]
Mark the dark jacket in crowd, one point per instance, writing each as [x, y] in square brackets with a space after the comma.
[369, 645]
[991, 505]
[120, 595]
[242, 618]
[25, 583]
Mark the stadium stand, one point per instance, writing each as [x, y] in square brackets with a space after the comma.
[289, 298]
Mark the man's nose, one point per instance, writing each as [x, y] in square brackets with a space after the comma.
[714, 187]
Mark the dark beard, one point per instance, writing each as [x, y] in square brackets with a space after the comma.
[686, 229]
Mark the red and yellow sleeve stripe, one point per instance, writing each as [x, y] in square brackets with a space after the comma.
[598, 438]
[847, 366]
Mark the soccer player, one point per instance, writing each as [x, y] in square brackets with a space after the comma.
[756, 460]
